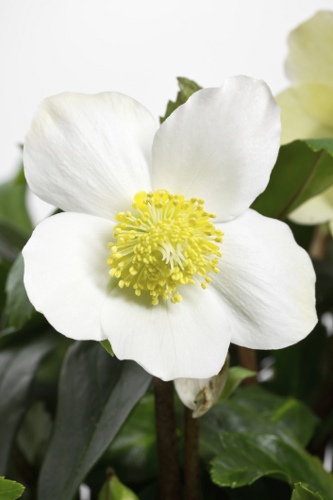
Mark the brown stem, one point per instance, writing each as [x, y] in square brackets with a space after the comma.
[169, 475]
[247, 358]
[319, 243]
[191, 456]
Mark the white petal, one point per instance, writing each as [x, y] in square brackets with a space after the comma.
[317, 210]
[89, 153]
[296, 121]
[267, 282]
[220, 146]
[310, 57]
[169, 340]
[66, 272]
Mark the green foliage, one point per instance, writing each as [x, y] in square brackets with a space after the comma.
[10, 490]
[303, 169]
[113, 489]
[302, 492]
[262, 435]
[236, 375]
[186, 89]
[18, 308]
[107, 346]
[96, 394]
[13, 204]
[18, 365]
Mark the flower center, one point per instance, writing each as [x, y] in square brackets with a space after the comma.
[166, 242]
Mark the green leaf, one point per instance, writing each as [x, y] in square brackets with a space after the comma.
[13, 205]
[248, 456]
[12, 240]
[236, 375]
[303, 170]
[107, 346]
[10, 490]
[96, 394]
[186, 89]
[18, 366]
[133, 452]
[302, 492]
[34, 433]
[113, 489]
[18, 308]
[252, 409]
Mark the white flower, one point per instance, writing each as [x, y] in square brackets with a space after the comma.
[307, 106]
[91, 155]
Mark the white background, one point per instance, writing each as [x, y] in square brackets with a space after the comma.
[137, 47]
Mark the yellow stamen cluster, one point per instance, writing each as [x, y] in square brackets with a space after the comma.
[167, 242]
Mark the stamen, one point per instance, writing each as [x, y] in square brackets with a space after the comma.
[166, 243]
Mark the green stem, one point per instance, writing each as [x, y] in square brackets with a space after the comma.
[191, 456]
[169, 475]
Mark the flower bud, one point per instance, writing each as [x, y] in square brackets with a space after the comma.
[199, 395]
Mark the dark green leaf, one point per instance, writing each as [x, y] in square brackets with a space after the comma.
[113, 489]
[303, 170]
[10, 490]
[253, 409]
[133, 452]
[12, 240]
[248, 456]
[18, 309]
[302, 492]
[34, 433]
[186, 89]
[18, 365]
[96, 394]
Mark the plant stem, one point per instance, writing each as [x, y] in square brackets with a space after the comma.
[247, 358]
[169, 475]
[191, 456]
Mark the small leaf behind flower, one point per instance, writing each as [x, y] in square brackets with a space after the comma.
[186, 89]
[10, 490]
[303, 170]
[236, 375]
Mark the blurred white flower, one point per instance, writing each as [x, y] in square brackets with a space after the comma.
[100, 159]
[307, 106]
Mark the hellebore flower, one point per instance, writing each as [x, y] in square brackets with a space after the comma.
[136, 257]
[307, 106]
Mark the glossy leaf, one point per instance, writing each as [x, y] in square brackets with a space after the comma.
[96, 394]
[18, 366]
[302, 492]
[107, 346]
[246, 457]
[113, 489]
[12, 240]
[255, 410]
[18, 309]
[303, 170]
[10, 490]
[186, 89]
